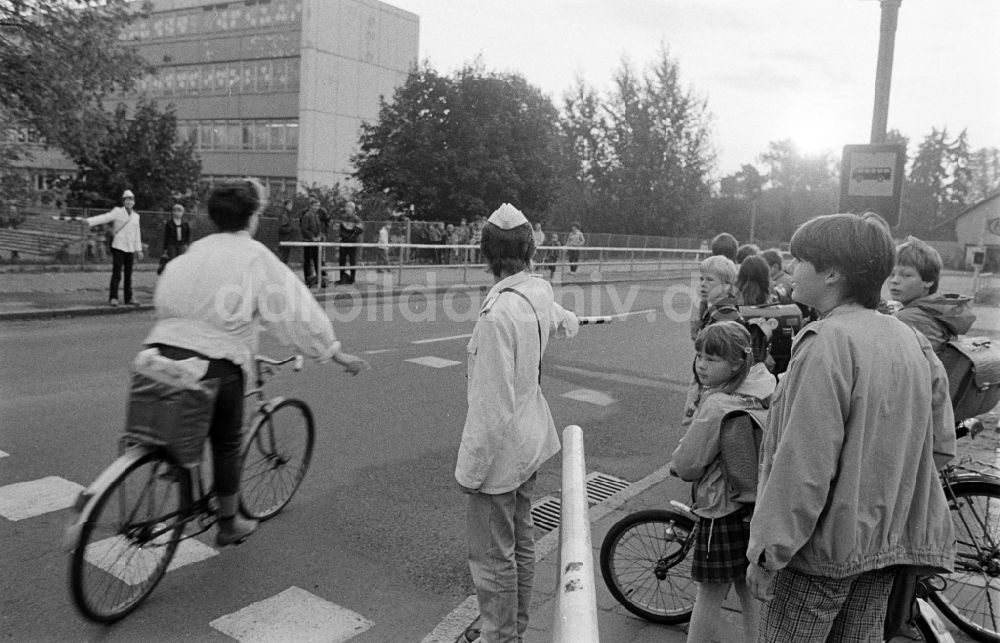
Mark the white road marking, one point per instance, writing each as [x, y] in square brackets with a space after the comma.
[293, 615]
[433, 362]
[28, 499]
[590, 396]
[3, 454]
[380, 350]
[456, 622]
[135, 566]
[631, 380]
[441, 339]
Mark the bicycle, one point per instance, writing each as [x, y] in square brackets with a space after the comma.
[132, 518]
[644, 560]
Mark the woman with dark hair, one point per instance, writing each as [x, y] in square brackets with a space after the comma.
[509, 432]
[210, 303]
[753, 282]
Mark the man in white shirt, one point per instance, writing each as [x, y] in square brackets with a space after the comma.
[125, 245]
[383, 246]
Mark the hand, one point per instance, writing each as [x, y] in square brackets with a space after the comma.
[759, 580]
[351, 363]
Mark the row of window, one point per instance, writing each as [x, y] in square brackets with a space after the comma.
[23, 135]
[278, 187]
[240, 77]
[251, 135]
[226, 16]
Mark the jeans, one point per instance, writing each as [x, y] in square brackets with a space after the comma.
[121, 260]
[502, 561]
[348, 256]
[310, 264]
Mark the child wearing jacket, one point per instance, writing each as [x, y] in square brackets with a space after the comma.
[729, 380]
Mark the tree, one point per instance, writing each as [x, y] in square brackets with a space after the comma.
[644, 149]
[59, 59]
[459, 146]
[984, 174]
[937, 186]
[139, 152]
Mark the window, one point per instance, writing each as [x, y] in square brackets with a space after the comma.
[292, 136]
[249, 78]
[277, 131]
[264, 76]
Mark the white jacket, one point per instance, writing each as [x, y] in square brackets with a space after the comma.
[127, 237]
[509, 432]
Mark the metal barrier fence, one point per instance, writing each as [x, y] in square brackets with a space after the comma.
[576, 601]
[650, 262]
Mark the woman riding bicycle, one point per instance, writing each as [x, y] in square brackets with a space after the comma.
[210, 304]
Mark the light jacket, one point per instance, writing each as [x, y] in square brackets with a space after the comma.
[858, 427]
[940, 317]
[509, 431]
[697, 457]
[127, 236]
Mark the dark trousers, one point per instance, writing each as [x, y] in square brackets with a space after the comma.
[572, 256]
[310, 264]
[119, 260]
[226, 432]
[284, 253]
[348, 255]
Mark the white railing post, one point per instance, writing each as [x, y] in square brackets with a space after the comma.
[576, 600]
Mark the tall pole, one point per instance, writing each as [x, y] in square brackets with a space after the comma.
[883, 73]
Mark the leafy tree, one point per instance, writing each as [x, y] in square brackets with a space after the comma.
[984, 174]
[938, 183]
[644, 149]
[459, 146]
[139, 152]
[59, 59]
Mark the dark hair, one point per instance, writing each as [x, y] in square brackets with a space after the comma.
[773, 258]
[575, 224]
[753, 281]
[726, 245]
[728, 340]
[507, 251]
[858, 247]
[745, 251]
[231, 204]
[920, 256]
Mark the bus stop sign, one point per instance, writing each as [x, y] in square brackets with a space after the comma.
[871, 179]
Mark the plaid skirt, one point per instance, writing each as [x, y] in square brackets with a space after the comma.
[720, 548]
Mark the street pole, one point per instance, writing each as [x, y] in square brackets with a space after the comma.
[883, 73]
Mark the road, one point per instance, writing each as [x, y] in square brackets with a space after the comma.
[377, 527]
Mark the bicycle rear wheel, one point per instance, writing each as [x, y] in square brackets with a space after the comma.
[971, 597]
[129, 538]
[645, 566]
[275, 458]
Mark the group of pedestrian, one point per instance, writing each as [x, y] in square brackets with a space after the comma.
[848, 503]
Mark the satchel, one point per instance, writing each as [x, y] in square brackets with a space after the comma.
[973, 367]
[740, 435]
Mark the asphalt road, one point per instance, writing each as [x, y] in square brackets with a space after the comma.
[377, 526]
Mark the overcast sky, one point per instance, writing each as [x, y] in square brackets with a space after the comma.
[770, 69]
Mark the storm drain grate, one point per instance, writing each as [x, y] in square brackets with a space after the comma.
[600, 487]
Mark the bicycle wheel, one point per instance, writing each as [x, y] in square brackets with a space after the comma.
[971, 597]
[275, 458]
[645, 566]
[128, 538]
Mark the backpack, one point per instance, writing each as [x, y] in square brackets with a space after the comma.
[973, 367]
[740, 435]
[772, 327]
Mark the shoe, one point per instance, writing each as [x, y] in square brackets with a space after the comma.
[470, 635]
[234, 530]
[113, 302]
[132, 303]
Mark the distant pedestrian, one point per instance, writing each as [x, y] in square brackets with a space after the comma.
[383, 246]
[552, 254]
[509, 431]
[126, 245]
[286, 231]
[351, 231]
[311, 231]
[574, 241]
[176, 237]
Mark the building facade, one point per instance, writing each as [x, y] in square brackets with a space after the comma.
[275, 89]
[978, 229]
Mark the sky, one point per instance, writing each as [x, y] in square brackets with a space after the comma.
[769, 69]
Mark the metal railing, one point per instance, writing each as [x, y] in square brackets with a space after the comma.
[576, 599]
[648, 261]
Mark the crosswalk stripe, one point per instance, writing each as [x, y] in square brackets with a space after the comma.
[293, 615]
[36, 497]
[441, 339]
[433, 362]
[590, 396]
[135, 567]
[3, 454]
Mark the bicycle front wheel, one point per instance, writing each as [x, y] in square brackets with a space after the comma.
[645, 566]
[971, 597]
[128, 538]
[276, 456]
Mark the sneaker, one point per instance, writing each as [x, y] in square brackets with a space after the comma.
[132, 303]
[113, 302]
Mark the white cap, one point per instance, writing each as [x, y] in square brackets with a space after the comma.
[127, 194]
[506, 217]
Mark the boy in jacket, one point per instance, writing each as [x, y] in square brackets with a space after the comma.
[848, 486]
[509, 432]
